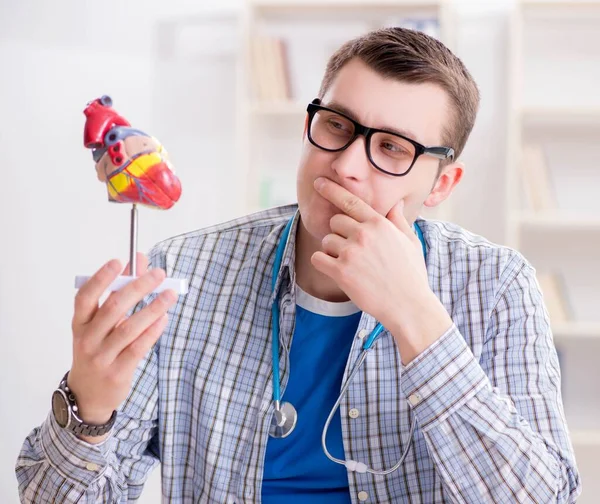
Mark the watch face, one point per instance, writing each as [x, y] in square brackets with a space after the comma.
[60, 408]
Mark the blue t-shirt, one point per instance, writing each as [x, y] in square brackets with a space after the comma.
[296, 469]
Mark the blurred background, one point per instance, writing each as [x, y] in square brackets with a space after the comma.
[224, 85]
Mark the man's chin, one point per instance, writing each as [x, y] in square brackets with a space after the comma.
[317, 214]
[316, 225]
[321, 226]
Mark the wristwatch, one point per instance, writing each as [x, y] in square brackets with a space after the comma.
[66, 413]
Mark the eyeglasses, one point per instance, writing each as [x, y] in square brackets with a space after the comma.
[389, 152]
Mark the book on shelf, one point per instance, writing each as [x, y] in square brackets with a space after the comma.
[553, 289]
[269, 69]
[538, 189]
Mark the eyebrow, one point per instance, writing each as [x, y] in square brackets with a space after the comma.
[346, 111]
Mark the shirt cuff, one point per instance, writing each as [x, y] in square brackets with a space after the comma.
[74, 458]
[442, 378]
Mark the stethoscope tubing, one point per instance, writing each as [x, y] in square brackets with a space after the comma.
[351, 465]
[275, 313]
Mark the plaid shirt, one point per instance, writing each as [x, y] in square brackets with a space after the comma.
[486, 395]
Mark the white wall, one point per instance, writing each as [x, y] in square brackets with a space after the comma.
[54, 218]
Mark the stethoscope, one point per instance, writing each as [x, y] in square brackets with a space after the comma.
[285, 415]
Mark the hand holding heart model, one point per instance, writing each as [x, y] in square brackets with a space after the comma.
[134, 165]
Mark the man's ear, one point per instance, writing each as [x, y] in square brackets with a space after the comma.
[449, 178]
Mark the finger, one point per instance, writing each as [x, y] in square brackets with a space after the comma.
[347, 202]
[120, 302]
[88, 296]
[141, 265]
[141, 268]
[333, 244]
[139, 347]
[133, 327]
[343, 225]
[325, 264]
[396, 216]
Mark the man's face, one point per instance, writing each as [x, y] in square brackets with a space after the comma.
[419, 110]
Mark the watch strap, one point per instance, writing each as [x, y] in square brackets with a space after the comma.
[77, 425]
[82, 429]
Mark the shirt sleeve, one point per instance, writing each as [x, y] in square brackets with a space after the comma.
[495, 428]
[54, 465]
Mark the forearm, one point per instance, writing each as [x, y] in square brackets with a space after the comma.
[418, 325]
[483, 449]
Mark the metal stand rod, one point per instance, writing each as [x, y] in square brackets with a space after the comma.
[133, 242]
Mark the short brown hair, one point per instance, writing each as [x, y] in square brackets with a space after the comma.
[411, 56]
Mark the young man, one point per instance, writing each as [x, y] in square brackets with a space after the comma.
[466, 351]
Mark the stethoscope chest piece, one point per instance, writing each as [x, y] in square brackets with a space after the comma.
[283, 421]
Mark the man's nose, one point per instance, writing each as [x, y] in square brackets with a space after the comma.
[353, 161]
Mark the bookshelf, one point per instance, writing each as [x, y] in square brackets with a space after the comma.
[572, 330]
[325, 4]
[586, 438]
[302, 35]
[552, 212]
[557, 221]
[564, 116]
[281, 108]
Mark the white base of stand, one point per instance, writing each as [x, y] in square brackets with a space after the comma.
[179, 285]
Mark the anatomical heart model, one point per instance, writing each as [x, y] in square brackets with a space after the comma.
[133, 164]
[135, 168]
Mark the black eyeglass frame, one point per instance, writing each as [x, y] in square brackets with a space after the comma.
[441, 153]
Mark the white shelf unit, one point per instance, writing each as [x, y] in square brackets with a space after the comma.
[537, 114]
[560, 116]
[278, 125]
[586, 438]
[327, 4]
[281, 108]
[557, 221]
[576, 330]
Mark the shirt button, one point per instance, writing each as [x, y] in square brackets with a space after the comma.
[414, 399]
[353, 413]
[363, 496]
[90, 466]
[362, 334]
